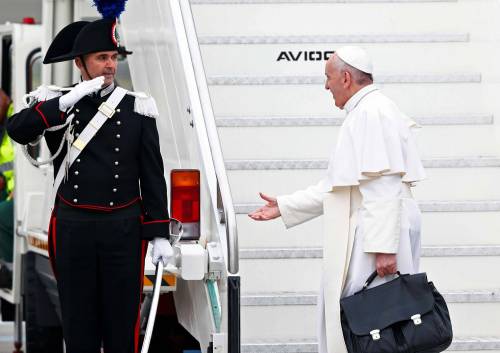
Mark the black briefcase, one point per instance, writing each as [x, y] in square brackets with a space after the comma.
[406, 314]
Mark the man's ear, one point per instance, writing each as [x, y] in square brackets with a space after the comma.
[347, 77]
[78, 63]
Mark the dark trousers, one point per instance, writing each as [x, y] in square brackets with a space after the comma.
[98, 263]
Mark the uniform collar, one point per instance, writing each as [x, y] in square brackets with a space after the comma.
[106, 90]
[358, 96]
[103, 91]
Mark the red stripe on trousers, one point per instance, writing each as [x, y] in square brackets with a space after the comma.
[52, 243]
[144, 246]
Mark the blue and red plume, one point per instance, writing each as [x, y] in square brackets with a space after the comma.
[110, 8]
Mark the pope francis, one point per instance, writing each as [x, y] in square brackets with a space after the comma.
[371, 220]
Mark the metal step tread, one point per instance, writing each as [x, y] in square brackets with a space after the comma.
[299, 164]
[310, 345]
[317, 252]
[222, 2]
[425, 206]
[221, 80]
[255, 121]
[348, 38]
[310, 298]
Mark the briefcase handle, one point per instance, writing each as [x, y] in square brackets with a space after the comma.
[370, 279]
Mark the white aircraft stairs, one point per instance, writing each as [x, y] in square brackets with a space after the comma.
[438, 60]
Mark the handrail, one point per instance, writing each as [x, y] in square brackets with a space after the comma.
[226, 210]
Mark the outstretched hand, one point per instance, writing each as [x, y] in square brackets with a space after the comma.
[268, 211]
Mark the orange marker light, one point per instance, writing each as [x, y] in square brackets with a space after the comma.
[185, 200]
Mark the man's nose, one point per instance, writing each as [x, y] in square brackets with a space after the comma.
[326, 85]
[110, 63]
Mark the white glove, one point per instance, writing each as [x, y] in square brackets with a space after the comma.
[80, 91]
[162, 250]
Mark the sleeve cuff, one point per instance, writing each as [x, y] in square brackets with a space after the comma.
[155, 229]
[287, 215]
[382, 226]
[49, 112]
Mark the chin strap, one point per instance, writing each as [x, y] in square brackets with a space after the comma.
[85, 67]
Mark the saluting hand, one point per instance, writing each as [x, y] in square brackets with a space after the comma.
[267, 212]
[386, 264]
[80, 91]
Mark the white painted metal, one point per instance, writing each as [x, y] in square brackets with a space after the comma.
[314, 99]
[466, 228]
[425, 206]
[62, 14]
[154, 306]
[310, 298]
[228, 216]
[266, 121]
[25, 38]
[166, 63]
[319, 80]
[469, 345]
[316, 142]
[337, 18]
[464, 324]
[214, 2]
[317, 252]
[360, 38]
[303, 274]
[271, 181]
[304, 59]
[323, 164]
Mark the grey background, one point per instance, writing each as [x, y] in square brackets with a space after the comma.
[15, 10]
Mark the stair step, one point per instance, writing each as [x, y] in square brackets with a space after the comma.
[439, 229]
[267, 18]
[217, 80]
[310, 345]
[311, 253]
[275, 59]
[259, 164]
[425, 206]
[310, 298]
[449, 273]
[338, 39]
[317, 142]
[468, 319]
[304, 100]
[268, 121]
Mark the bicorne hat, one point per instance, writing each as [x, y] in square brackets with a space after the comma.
[83, 37]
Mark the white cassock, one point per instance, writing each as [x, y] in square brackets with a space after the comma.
[367, 203]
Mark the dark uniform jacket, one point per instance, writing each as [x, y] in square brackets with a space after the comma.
[120, 166]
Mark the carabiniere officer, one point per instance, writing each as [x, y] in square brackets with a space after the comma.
[112, 198]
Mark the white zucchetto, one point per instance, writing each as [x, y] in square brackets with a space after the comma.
[356, 57]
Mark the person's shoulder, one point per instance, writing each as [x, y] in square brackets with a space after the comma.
[44, 93]
[378, 104]
[144, 104]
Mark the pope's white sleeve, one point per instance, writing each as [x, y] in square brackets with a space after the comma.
[381, 214]
[302, 205]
